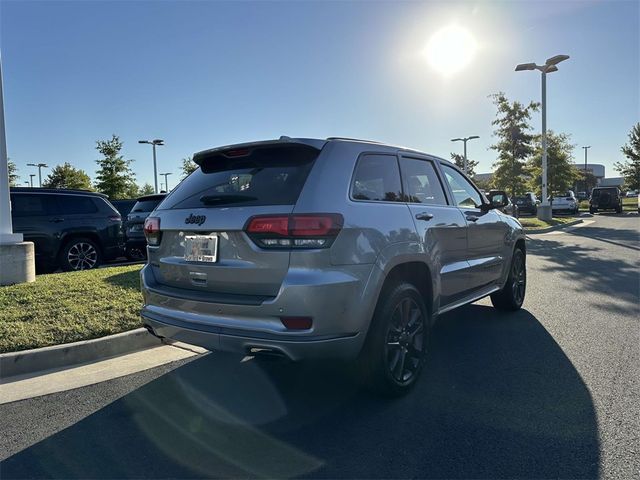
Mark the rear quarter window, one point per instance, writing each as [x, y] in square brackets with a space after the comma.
[377, 178]
[76, 205]
[263, 176]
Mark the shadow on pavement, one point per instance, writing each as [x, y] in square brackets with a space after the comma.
[498, 399]
[125, 279]
[591, 269]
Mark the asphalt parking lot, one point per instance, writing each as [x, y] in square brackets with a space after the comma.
[550, 391]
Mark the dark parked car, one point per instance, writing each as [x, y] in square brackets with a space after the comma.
[71, 229]
[123, 206]
[136, 244]
[527, 203]
[500, 197]
[605, 198]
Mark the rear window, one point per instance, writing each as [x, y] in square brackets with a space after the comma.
[610, 191]
[271, 175]
[146, 205]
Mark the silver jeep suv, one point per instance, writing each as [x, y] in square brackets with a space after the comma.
[311, 248]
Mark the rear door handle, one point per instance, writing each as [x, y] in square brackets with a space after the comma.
[57, 220]
[472, 218]
[424, 216]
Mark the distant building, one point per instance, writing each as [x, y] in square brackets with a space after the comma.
[612, 182]
[595, 169]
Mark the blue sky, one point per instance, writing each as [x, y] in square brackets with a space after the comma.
[202, 74]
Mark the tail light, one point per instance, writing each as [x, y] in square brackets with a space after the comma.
[317, 230]
[152, 231]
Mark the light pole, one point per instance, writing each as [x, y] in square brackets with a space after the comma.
[153, 143]
[39, 165]
[16, 256]
[465, 140]
[30, 182]
[166, 181]
[544, 212]
[585, 167]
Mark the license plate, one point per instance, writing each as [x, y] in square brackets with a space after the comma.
[201, 248]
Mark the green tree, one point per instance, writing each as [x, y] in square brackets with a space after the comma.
[630, 168]
[514, 143]
[562, 174]
[114, 178]
[13, 173]
[188, 166]
[146, 189]
[459, 161]
[66, 176]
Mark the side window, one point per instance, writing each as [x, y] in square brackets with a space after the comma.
[421, 182]
[464, 193]
[76, 205]
[377, 179]
[29, 205]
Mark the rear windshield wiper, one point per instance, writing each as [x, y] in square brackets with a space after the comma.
[218, 199]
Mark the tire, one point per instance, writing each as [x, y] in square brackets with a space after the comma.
[618, 209]
[80, 254]
[592, 211]
[395, 350]
[511, 297]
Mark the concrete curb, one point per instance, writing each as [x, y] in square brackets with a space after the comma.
[555, 227]
[69, 354]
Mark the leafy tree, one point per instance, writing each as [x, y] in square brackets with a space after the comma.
[146, 189]
[459, 161]
[13, 173]
[66, 176]
[485, 185]
[562, 173]
[114, 177]
[188, 166]
[630, 169]
[588, 181]
[515, 142]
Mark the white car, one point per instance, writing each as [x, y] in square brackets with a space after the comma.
[567, 203]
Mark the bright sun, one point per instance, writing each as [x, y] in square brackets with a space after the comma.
[451, 49]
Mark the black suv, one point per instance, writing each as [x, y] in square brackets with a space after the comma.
[136, 247]
[605, 198]
[71, 229]
[527, 203]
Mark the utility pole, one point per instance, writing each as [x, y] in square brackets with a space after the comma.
[166, 181]
[153, 143]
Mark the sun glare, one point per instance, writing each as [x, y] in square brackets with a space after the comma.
[451, 49]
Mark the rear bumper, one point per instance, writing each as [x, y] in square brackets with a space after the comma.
[217, 338]
[334, 300]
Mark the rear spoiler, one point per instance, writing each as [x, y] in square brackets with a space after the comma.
[243, 149]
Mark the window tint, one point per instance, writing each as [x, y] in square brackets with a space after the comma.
[421, 182]
[75, 205]
[464, 193]
[146, 205]
[29, 205]
[263, 176]
[377, 178]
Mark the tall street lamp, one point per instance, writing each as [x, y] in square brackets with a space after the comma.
[585, 167]
[153, 143]
[465, 140]
[40, 166]
[31, 175]
[544, 211]
[166, 180]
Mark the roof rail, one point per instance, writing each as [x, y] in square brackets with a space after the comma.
[356, 140]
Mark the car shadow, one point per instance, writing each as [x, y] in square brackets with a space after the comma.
[589, 268]
[125, 279]
[498, 399]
